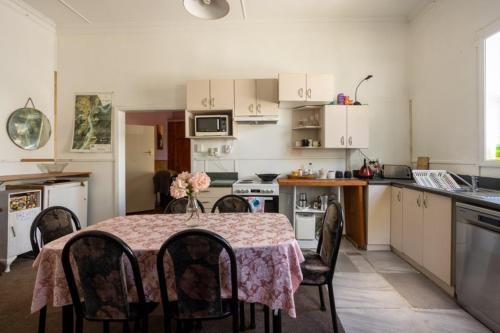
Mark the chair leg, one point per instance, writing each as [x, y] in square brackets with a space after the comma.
[105, 326]
[42, 316]
[79, 324]
[145, 324]
[332, 307]
[242, 316]
[276, 321]
[266, 319]
[321, 298]
[67, 318]
[252, 316]
[126, 327]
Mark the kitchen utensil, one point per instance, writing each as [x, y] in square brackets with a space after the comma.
[331, 175]
[391, 171]
[365, 171]
[291, 176]
[423, 163]
[322, 173]
[324, 202]
[267, 177]
[302, 203]
[347, 174]
[339, 174]
[315, 143]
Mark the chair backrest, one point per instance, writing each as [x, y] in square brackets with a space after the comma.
[195, 256]
[99, 263]
[178, 206]
[232, 204]
[331, 235]
[50, 224]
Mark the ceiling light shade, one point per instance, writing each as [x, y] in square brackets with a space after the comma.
[207, 9]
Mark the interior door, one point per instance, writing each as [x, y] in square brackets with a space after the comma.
[292, 87]
[222, 94]
[320, 88]
[267, 97]
[358, 126]
[198, 95]
[179, 148]
[140, 167]
[244, 98]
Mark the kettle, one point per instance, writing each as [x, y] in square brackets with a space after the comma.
[365, 171]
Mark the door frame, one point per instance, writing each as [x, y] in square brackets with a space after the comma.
[119, 151]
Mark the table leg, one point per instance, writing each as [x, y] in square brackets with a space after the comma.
[276, 321]
[67, 318]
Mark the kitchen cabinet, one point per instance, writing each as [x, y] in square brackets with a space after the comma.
[211, 195]
[306, 87]
[210, 95]
[379, 217]
[413, 219]
[437, 235]
[255, 98]
[397, 218]
[345, 126]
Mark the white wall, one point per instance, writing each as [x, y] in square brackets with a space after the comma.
[148, 67]
[444, 83]
[27, 65]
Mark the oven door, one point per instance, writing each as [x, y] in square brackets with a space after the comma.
[268, 204]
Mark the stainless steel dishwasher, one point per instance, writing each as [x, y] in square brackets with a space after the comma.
[477, 266]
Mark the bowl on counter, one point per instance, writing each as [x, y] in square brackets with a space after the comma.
[51, 167]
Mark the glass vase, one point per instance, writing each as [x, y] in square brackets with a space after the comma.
[193, 212]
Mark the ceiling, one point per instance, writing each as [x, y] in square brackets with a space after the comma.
[110, 12]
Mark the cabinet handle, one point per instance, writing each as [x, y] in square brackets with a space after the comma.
[342, 141]
[419, 201]
[250, 107]
[258, 108]
[350, 141]
[212, 102]
[399, 196]
[204, 102]
[13, 231]
[308, 93]
[301, 92]
[425, 201]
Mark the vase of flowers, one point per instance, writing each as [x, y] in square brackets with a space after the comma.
[189, 185]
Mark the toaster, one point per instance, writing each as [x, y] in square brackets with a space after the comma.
[391, 171]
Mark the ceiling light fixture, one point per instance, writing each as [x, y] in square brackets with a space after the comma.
[207, 9]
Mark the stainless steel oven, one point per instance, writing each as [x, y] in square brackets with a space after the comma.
[477, 266]
[210, 125]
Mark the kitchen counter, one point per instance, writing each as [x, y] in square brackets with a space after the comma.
[42, 176]
[322, 182]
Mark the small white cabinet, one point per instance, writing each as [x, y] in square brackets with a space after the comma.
[255, 98]
[210, 95]
[379, 217]
[397, 218]
[306, 87]
[345, 126]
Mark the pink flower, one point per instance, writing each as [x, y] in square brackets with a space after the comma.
[179, 188]
[199, 182]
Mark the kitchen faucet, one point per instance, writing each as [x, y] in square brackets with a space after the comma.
[473, 184]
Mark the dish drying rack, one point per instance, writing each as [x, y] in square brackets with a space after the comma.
[439, 179]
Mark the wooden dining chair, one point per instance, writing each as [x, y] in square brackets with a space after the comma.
[319, 267]
[99, 260]
[236, 204]
[195, 257]
[232, 204]
[178, 206]
[50, 224]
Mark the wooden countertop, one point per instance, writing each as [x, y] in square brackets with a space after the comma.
[36, 176]
[321, 182]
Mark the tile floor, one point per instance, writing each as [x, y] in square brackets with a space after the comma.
[379, 292]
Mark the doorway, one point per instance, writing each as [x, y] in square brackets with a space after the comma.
[155, 149]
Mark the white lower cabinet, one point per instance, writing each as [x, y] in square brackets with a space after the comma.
[379, 217]
[397, 218]
[426, 231]
[211, 195]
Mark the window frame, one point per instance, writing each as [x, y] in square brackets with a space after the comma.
[483, 35]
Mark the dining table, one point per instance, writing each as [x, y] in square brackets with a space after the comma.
[267, 253]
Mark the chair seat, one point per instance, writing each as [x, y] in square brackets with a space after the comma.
[134, 310]
[226, 311]
[313, 269]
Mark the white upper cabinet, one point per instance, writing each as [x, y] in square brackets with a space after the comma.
[358, 126]
[245, 98]
[210, 95]
[320, 88]
[256, 98]
[306, 87]
[198, 95]
[345, 126]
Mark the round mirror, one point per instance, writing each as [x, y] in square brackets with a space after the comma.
[28, 128]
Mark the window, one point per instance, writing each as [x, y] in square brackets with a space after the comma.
[492, 96]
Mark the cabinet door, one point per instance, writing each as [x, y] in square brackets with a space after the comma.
[198, 95]
[397, 218]
[358, 126]
[244, 98]
[320, 88]
[292, 87]
[72, 196]
[333, 126]
[413, 229]
[267, 97]
[222, 94]
[379, 215]
[437, 236]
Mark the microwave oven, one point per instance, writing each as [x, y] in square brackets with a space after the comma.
[208, 125]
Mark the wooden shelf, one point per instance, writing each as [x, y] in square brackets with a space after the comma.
[41, 176]
[308, 148]
[306, 127]
[309, 210]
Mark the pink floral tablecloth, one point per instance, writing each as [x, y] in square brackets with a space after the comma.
[268, 256]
